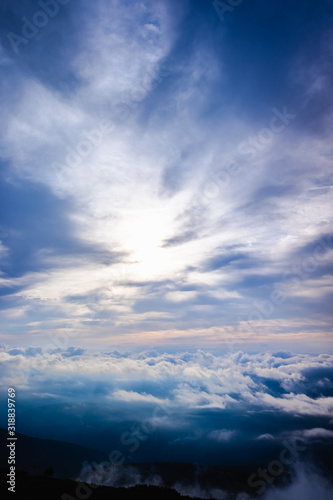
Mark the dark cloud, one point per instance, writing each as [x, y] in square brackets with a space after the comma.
[34, 225]
[180, 239]
[241, 260]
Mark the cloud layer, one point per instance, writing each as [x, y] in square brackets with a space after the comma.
[289, 386]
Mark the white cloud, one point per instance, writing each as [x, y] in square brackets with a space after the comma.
[316, 433]
[194, 381]
[180, 296]
[307, 485]
[298, 404]
[134, 397]
[135, 190]
[268, 437]
[222, 435]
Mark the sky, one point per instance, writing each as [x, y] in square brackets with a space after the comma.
[166, 236]
[166, 174]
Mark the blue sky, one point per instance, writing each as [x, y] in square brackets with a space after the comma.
[166, 175]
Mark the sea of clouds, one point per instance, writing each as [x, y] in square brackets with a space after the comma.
[298, 384]
[189, 407]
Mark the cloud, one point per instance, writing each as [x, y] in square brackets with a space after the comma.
[222, 435]
[309, 483]
[197, 380]
[198, 229]
[134, 397]
[316, 433]
[266, 436]
[170, 406]
[299, 404]
[180, 296]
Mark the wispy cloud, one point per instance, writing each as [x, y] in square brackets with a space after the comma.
[182, 198]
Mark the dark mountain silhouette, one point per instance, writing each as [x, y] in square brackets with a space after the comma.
[40, 463]
[48, 488]
[49, 458]
[51, 468]
[35, 455]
